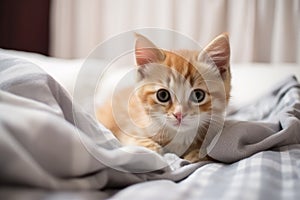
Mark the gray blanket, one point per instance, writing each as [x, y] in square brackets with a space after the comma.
[50, 148]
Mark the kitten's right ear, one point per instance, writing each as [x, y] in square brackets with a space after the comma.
[218, 51]
[146, 52]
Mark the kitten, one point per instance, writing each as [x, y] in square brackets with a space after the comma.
[171, 106]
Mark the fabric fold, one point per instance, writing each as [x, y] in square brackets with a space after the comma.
[48, 142]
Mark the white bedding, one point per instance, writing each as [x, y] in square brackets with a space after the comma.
[50, 149]
[249, 80]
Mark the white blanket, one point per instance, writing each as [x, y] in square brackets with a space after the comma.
[49, 147]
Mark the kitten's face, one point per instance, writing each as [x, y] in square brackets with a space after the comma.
[174, 93]
[177, 89]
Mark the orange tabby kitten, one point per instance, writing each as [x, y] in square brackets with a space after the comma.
[170, 107]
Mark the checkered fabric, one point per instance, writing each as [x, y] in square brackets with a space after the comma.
[50, 148]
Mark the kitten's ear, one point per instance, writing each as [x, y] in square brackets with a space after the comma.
[146, 52]
[218, 51]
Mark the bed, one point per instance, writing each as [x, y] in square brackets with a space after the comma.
[51, 146]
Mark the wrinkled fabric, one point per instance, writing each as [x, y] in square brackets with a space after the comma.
[49, 147]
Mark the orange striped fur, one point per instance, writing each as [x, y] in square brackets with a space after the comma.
[138, 116]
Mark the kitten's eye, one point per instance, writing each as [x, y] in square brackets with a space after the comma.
[163, 95]
[197, 96]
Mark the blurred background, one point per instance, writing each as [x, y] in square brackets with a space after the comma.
[260, 30]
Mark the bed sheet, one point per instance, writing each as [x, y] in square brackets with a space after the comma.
[51, 148]
[249, 80]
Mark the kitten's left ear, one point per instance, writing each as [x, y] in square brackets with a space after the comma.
[146, 52]
[218, 51]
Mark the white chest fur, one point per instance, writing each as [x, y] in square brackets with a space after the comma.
[181, 141]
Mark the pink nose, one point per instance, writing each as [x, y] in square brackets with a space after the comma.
[178, 116]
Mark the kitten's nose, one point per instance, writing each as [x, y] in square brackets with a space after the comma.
[178, 116]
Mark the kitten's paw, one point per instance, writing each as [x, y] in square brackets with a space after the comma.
[150, 144]
[193, 156]
[156, 147]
